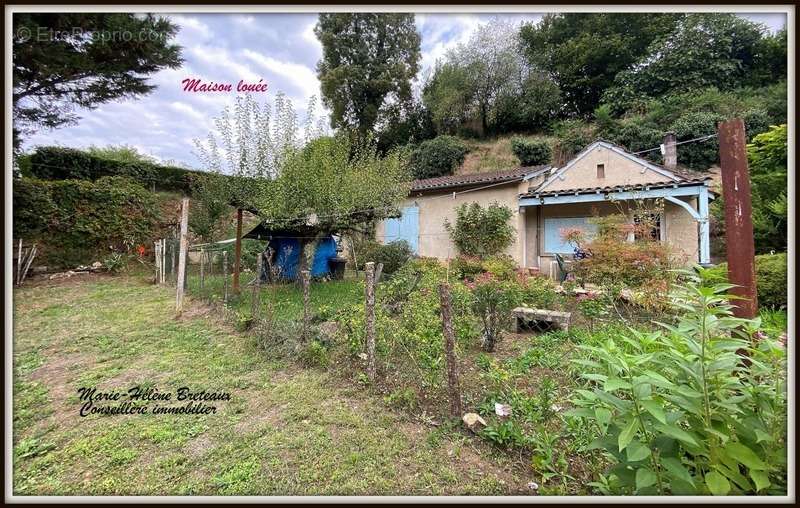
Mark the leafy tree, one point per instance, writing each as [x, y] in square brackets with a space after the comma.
[704, 50]
[532, 108]
[251, 139]
[67, 60]
[404, 123]
[475, 77]
[584, 52]
[334, 185]
[367, 58]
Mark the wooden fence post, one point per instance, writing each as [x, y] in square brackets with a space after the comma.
[19, 261]
[156, 259]
[225, 276]
[237, 259]
[369, 307]
[305, 276]
[173, 272]
[202, 268]
[256, 300]
[738, 217]
[453, 389]
[181, 281]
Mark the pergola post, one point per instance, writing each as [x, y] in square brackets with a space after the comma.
[705, 227]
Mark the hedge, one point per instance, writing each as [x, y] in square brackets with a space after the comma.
[771, 279]
[80, 221]
[58, 163]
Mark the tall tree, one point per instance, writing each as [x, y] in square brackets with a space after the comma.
[475, 76]
[65, 60]
[704, 50]
[583, 52]
[367, 59]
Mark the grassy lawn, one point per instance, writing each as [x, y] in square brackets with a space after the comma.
[285, 431]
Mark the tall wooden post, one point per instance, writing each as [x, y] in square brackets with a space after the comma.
[453, 388]
[305, 281]
[369, 308]
[202, 268]
[237, 260]
[738, 216]
[225, 276]
[256, 302]
[179, 285]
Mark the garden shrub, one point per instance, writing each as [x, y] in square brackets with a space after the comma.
[492, 299]
[679, 411]
[79, 221]
[532, 152]
[481, 232]
[615, 261]
[501, 266]
[466, 267]
[393, 255]
[58, 163]
[437, 157]
[537, 291]
[771, 279]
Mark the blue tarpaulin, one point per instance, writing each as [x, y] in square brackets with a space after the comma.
[287, 256]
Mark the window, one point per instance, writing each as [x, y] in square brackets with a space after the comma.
[652, 221]
[601, 171]
[552, 233]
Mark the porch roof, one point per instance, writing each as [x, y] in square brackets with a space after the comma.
[684, 187]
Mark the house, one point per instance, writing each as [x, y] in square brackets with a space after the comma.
[602, 179]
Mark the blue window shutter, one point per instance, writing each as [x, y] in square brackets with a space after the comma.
[409, 228]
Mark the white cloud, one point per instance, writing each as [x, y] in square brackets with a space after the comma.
[301, 76]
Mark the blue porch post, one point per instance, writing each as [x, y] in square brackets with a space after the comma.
[705, 228]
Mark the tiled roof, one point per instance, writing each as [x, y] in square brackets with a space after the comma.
[618, 188]
[444, 182]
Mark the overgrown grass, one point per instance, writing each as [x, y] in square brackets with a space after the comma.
[285, 431]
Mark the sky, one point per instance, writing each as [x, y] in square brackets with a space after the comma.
[279, 49]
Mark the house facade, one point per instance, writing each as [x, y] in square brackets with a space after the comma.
[602, 179]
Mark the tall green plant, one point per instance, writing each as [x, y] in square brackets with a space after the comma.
[681, 411]
[480, 231]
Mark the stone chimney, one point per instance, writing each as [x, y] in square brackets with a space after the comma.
[670, 151]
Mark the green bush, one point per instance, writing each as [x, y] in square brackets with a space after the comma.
[573, 136]
[532, 152]
[678, 412]
[58, 163]
[437, 157]
[771, 279]
[501, 266]
[78, 221]
[393, 255]
[466, 267]
[480, 231]
[703, 154]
